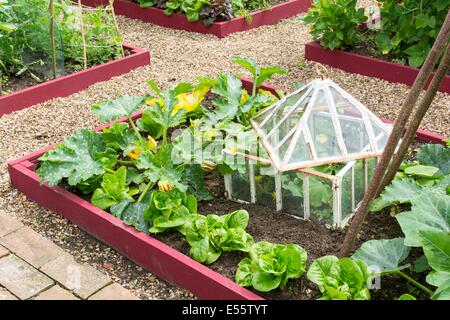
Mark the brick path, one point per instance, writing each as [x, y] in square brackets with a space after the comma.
[32, 267]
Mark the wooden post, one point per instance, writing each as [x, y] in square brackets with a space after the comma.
[83, 35]
[116, 25]
[52, 37]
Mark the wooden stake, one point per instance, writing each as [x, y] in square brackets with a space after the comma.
[116, 25]
[395, 136]
[52, 37]
[83, 35]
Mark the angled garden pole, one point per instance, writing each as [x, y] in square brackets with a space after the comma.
[389, 161]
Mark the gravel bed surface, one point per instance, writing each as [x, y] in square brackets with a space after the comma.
[176, 56]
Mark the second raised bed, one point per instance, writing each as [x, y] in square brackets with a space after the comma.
[367, 66]
[220, 29]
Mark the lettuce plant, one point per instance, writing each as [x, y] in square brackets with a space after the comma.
[271, 266]
[169, 210]
[210, 235]
[340, 279]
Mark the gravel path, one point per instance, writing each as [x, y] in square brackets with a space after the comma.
[176, 56]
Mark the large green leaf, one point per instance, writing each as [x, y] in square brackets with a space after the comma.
[229, 89]
[322, 268]
[436, 247]
[120, 137]
[115, 109]
[435, 155]
[430, 212]
[78, 159]
[385, 255]
[401, 191]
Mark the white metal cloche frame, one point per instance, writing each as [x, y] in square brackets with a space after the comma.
[319, 124]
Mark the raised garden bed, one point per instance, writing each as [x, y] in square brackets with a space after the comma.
[367, 66]
[220, 29]
[75, 82]
[157, 257]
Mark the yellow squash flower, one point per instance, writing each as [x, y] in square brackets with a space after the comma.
[244, 96]
[135, 153]
[190, 101]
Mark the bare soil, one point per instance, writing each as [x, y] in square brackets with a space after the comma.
[313, 236]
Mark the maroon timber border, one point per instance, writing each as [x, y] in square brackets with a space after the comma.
[367, 66]
[75, 82]
[143, 249]
[220, 29]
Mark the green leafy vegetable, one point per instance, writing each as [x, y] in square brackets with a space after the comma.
[169, 210]
[209, 235]
[271, 266]
[113, 189]
[340, 279]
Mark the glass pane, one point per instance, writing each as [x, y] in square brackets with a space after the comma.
[265, 185]
[380, 136]
[360, 187]
[292, 189]
[346, 193]
[322, 130]
[352, 125]
[240, 185]
[263, 114]
[321, 199]
[371, 165]
[300, 152]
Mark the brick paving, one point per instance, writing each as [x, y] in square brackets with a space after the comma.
[32, 267]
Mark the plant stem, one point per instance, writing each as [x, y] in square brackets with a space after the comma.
[136, 130]
[414, 282]
[109, 170]
[126, 163]
[164, 142]
[147, 187]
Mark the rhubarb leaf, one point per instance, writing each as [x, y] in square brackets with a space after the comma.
[430, 212]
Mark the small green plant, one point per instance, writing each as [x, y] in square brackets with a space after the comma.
[335, 22]
[409, 28]
[210, 235]
[271, 266]
[341, 279]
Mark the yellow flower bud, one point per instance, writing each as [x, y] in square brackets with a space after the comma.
[208, 166]
[244, 96]
[151, 143]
